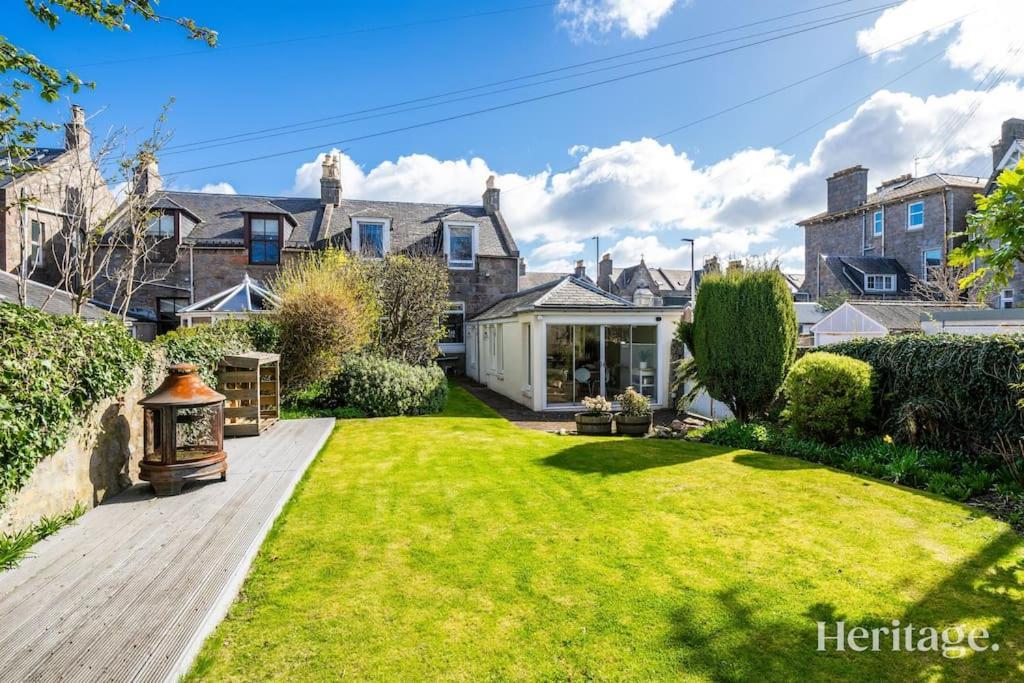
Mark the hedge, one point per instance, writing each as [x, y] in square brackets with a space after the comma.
[53, 370]
[383, 387]
[949, 391]
[206, 345]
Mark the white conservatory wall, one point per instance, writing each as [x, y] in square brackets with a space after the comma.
[843, 324]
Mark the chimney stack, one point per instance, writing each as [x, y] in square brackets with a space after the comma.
[711, 265]
[491, 197]
[581, 269]
[604, 273]
[847, 189]
[147, 176]
[736, 264]
[330, 182]
[76, 134]
[1013, 129]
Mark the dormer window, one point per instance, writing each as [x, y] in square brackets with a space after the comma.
[161, 227]
[265, 240]
[879, 283]
[371, 238]
[460, 245]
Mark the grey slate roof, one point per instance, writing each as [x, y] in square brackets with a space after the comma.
[897, 316]
[39, 296]
[915, 186]
[569, 292]
[529, 280]
[850, 271]
[413, 226]
[41, 157]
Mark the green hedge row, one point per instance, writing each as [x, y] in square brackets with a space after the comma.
[948, 474]
[53, 369]
[948, 391]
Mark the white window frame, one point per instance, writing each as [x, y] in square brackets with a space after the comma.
[357, 231]
[910, 213]
[35, 249]
[889, 283]
[455, 347]
[461, 265]
[924, 262]
[527, 342]
[878, 223]
[1006, 299]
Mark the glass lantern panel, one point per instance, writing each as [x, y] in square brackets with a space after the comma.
[195, 432]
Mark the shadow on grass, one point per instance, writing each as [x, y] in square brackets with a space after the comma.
[765, 461]
[620, 455]
[745, 642]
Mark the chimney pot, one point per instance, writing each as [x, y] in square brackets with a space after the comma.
[491, 197]
[847, 189]
[330, 181]
[147, 176]
[1012, 129]
[76, 133]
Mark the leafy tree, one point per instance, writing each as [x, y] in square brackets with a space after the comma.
[412, 296]
[744, 338]
[995, 233]
[22, 71]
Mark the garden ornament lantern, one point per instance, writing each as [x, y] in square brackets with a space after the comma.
[184, 432]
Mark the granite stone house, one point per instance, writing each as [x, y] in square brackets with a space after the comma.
[874, 245]
[38, 210]
[214, 240]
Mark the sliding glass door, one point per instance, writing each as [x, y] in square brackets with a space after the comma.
[587, 360]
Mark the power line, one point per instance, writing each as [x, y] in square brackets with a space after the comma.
[517, 79]
[241, 138]
[508, 105]
[298, 39]
[290, 129]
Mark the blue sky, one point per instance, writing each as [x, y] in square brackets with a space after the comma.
[576, 165]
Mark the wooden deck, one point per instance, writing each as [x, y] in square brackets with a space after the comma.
[130, 592]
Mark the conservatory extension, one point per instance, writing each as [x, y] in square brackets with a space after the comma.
[551, 346]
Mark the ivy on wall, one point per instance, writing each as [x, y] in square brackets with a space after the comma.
[53, 370]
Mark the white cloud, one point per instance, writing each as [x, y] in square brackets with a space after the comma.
[212, 188]
[642, 195]
[987, 33]
[633, 18]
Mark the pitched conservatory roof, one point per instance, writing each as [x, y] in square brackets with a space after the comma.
[569, 292]
[246, 297]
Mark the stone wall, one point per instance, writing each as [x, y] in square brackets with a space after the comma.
[99, 460]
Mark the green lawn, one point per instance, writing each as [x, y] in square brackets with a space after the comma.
[461, 547]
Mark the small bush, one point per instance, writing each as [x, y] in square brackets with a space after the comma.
[633, 403]
[829, 396]
[328, 310]
[264, 332]
[382, 387]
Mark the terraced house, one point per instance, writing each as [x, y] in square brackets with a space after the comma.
[216, 239]
[875, 245]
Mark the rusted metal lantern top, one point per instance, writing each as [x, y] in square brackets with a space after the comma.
[182, 387]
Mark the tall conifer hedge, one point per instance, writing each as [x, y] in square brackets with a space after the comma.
[744, 338]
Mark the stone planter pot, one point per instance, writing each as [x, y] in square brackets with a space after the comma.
[633, 425]
[594, 424]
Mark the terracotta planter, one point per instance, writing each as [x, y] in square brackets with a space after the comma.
[633, 425]
[594, 424]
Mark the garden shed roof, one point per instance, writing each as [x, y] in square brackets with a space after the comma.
[49, 299]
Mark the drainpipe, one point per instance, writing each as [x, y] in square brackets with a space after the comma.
[191, 276]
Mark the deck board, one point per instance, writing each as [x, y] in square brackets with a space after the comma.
[130, 592]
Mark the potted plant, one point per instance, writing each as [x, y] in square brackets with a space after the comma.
[635, 417]
[597, 418]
